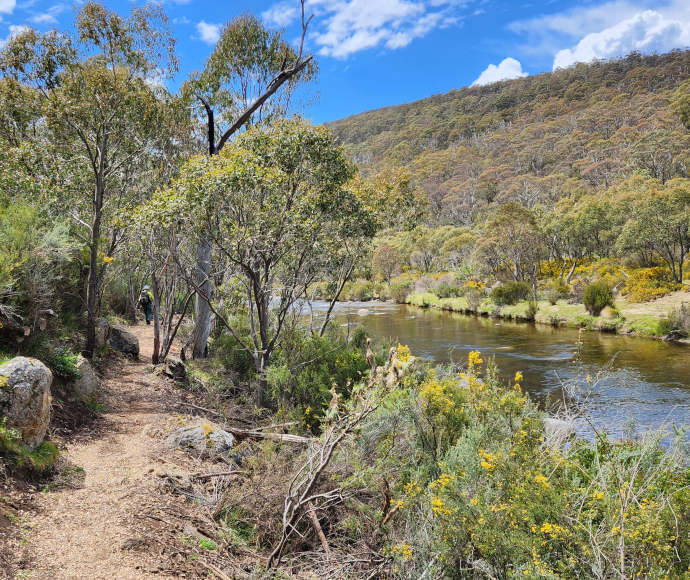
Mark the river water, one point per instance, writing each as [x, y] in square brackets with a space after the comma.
[646, 381]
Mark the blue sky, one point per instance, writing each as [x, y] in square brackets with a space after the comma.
[374, 53]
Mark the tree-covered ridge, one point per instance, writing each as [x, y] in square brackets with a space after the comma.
[536, 139]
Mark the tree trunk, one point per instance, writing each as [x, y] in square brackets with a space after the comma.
[156, 316]
[94, 271]
[572, 271]
[203, 314]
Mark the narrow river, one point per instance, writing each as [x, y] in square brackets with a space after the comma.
[647, 381]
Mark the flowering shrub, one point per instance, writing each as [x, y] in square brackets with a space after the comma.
[646, 284]
[478, 491]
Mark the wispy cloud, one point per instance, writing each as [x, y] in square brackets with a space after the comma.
[280, 14]
[208, 33]
[508, 68]
[344, 27]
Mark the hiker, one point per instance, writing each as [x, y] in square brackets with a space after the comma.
[146, 304]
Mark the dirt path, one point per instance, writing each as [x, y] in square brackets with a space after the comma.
[93, 531]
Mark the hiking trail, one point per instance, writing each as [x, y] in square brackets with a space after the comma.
[96, 530]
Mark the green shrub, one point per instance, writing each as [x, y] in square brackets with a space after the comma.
[555, 291]
[233, 356]
[332, 359]
[598, 296]
[62, 361]
[445, 290]
[510, 293]
[400, 290]
[423, 299]
[12, 449]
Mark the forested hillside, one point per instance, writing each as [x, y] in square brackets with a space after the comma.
[535, 139]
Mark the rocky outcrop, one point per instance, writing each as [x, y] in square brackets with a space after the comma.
[205, 439]
[87, 385]
[122, 340]
[25, 398]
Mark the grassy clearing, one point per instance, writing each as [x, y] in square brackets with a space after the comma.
[643, 319]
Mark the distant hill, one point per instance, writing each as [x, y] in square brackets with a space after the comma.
[534, 139]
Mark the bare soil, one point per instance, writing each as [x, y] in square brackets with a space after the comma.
[106, 513]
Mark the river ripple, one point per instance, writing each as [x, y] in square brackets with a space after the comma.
[648, 381]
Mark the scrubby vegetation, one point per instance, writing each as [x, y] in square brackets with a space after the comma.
[239, 213]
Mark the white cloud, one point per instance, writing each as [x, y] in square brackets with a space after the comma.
[280, 14]
[508, 68]
[44, 18]
[14, 30]
[344, 27]
[647, 31]
[7, 6]
[208, 33]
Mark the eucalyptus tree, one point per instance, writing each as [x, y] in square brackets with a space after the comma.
[250, 76]
[275, 205]
[102, 117]
[659, 222]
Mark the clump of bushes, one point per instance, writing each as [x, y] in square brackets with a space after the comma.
[598, 296]
[510, 293]
[646, 284]
[474, 293]
[479, 487]
[555, 291]
[679, 319]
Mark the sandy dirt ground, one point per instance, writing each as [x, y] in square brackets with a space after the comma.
[95, 530]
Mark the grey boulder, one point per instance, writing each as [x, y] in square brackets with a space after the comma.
[25, 398]
[558, 431]
[122, 340]
[206, 439]
[87, 385]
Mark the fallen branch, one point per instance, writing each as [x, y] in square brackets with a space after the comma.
[319, 529]
[217, 571]
[288, 438]
[219, 474]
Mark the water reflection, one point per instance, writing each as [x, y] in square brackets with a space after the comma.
[648, 380]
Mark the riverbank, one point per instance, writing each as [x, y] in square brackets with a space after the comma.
[648, 319]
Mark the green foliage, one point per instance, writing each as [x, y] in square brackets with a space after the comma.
[233, 356]
[62, 361]
[510, 293]
[423, 299]
[39, 461]
[598, 296]
[555, 291]
[480, 490]
[306, 366]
